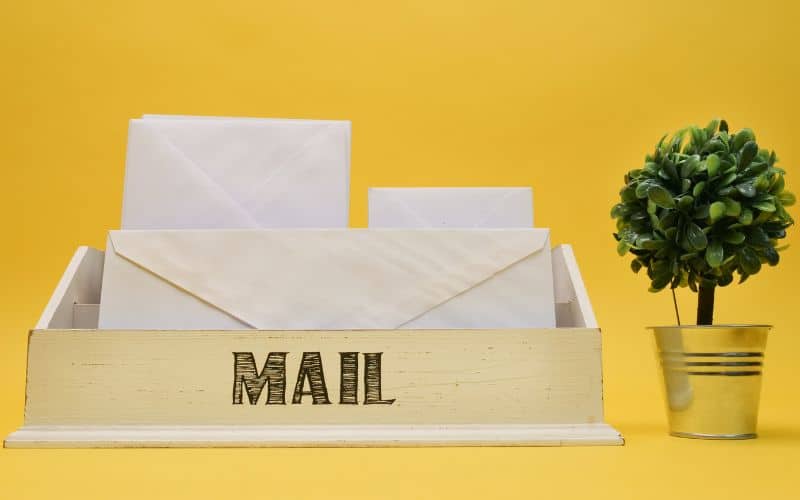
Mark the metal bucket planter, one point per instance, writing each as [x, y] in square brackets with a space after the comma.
[712, 378]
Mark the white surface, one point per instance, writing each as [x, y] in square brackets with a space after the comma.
[328, 279]
[451, 207]
[194, 172]
[570, 290]
[312, 435]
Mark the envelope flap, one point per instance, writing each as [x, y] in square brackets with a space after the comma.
[161, 173]
[364, 276]
[243, 156]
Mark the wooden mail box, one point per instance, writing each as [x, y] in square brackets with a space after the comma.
[153, 388]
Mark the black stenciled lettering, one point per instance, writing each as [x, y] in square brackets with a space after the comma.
[311, 368]
[348, 381]
[372, 380]
[245, 374]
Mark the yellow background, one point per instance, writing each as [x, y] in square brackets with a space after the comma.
[562, 96]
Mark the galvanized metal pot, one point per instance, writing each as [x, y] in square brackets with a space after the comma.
[712, 378]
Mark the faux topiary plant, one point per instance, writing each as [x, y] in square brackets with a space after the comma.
[707, 204]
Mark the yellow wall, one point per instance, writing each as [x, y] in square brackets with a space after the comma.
[562, 96]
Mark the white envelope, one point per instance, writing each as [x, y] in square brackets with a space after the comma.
[450, 207]
[327, 279]
[193, 173]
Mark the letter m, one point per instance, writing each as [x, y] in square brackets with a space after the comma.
[246, 376]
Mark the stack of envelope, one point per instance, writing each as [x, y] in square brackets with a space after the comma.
[242, 223]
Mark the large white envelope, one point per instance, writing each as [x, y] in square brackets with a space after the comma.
[194, 173]
[328, 279]
[450, 207]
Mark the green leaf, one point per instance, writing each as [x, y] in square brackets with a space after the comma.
[749, 152]
[713, 146]
[696, 236]
[641, 189]
[701, 212]
[757, 167]
[622, 248]
[734, 237]
[689, 166]
[685, 202]
[762, 218]
[712, 164]
[660, 282]
[698, 188]
[777, 184]
[746, 218]
[661, 197]
[764, 206]
[787, 199]
[717, 210]
[772, 256]
[761, 183]
[747, 189]
[628, 194]
[749, 261]
[668, 219]
[670, 170]
[742, 137]
[698, 136]
[732, 207]
[636, 265]
[711, 127]
[726, 180]
[688, 256]
[714, 254]
[654, 244]
[723, 126]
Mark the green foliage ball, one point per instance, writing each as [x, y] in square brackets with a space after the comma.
[707, 203]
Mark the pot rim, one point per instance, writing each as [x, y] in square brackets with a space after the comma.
[710, 327]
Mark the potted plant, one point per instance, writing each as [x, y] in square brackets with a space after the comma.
[707, 207]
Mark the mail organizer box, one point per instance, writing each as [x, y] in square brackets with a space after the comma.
[155, 388]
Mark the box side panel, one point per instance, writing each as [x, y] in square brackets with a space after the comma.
[573, 308]
[80, 284]
[547, 376]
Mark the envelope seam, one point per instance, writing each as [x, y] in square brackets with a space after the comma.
[494, 209]
[177, 286]
[470, 288]
[285, 164]
[205, 174]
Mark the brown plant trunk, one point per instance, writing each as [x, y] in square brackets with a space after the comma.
[705, 305]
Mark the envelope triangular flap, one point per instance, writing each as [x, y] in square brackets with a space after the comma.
[163, 185]
[223, 173]
[268, 166]
[329, 279]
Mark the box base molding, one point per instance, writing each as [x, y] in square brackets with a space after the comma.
[141, 436]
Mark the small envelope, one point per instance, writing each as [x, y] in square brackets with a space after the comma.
[450, 207]
[328, 279]
[191, 173]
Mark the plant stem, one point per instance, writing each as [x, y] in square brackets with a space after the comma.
[675, 303]
[705, 304]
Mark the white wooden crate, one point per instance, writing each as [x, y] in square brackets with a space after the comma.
[110, 388]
